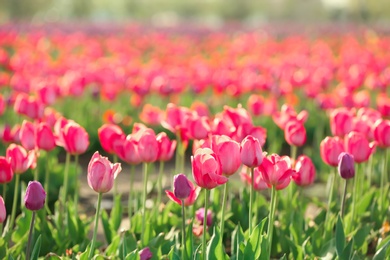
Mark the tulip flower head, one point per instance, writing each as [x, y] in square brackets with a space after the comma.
[276, 171]
[330, 149]
[200, 216]
[228, 151]
[357, 144]
[166, 147]
[20, 159]
[6, 173]
[147, 145]
[258, 182]
[382, 133]
[305, 172]
[44, 137]
[73, 138]
[27, 135]
[295, 133]
[145, 254]
[182, 187]
[35, 196]
[109, 135]
[341, 121]
[346, 167]
[3, 212]
[251, 152]
[101, 173]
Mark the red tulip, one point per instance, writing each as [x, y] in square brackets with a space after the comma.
[27, 135]
[73, 138]
[330, 149]
[295, 133]
[276, 171]
[166, 147]
[228, 151]
[206, 169]
[189, 187]
[101, 173]
[109, 135]
[251, 152]
[45, 139]
[382, 132]
[3, 212]
[258, 182]
[305, 171]
[6, 173]
[341, 122]
[20, 159]
[357, 144]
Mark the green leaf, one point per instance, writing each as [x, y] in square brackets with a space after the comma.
[237, 238]
[328, 248]
[3, 248]
[113, 247]
[190, 241]
[116, 213]
[295, 249]
[133, 255]
[364, 203]
[215, 250]
[347, 253]
[108, 233]
[172, 255]
[37, 248]
[340, 237]
[360, 238]
[253, 247]
[197, 255]
[382, 253]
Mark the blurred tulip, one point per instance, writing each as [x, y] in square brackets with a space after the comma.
[145, 254]
[109, 135]
[288, 114]
[35, 196]
[3, 212]
[29, 106]
[183, 186]
[295, 133]
[73, 138]
[258, 181]
[276, 171]
[238, 116]
[147, 145]
[382, 133]
[346, 167]
[127, 150]
[228, 152]
[330, 149]
[198, 127]
[45, 139]
[6, 173]
[200, 216]
[251, 152]
[305, 171]
[341, 121]
[357, 144]
[2, 104]
[101, 173]
[256, 104]
[20, 159]
[27, 135]
[166, 147]
[200, 108]
[151, 115]
[383, 105]
[6, 134]
[206, 169]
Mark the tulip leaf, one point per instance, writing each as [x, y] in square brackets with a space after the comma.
[254, 245]
[172, 255]
[327, 248]
[383, 252]
[22, 226]
[347, 253]
[3, 248]
[133, 255]
[364, 202]
[190, 241]
[295, 249]
[237, 238]
[215, 250]
[113, 247]
[340, 237]
[116, 213]
[37, 248]
[108, 233]
[360, 238]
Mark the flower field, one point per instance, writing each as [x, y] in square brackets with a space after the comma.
[258, 144]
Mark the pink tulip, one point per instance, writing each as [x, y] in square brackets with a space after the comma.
[20, 159]
[151, 115]
[382, 132]
[198, 127]
[35, 196]
[251, 152]
[256, 104]
[73, 138]
[200, 216]
[127, 150]
[44, 137]
[295, 133]
[330, 149]
[109, 135]
[258, 181]
[228, 151]
[27, 135]
[147, 145]
[6, 134]
[189, 186]
[238, 116]
[276, 171]
[175, 117]
[305, 171]
[288, 114]
[101, 173]
[145, 254]
[3, 212]
[357, 144]
[166, 147]
[206, 169]
[29, 106]
[6, 173]
[341, 122]
[2, 104]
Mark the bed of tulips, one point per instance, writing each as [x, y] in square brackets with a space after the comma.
[250, 146]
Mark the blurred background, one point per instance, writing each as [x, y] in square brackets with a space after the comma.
[211, 13]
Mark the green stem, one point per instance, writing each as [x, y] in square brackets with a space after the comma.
[369, 171]
[129, 201]
[47, 180]
[36, 167]
[30, 236]
[91, 252]
[293, 152]
[251, 201]
[204, 242]
[16, 191]
[383, 175]
[178, 153]
[271, 219]
[77, 184]
[66, 179]
[144, 203]
[330, 200]
[159, 184]
[343, 198]
[183, 238]
[225, 189]
[354, 197]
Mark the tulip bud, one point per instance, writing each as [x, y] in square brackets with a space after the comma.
[346, 166]
[35, 196]
[181, 186]
[305, 171]
[200, 216]
[3, 212]
[44, 137]
[295, 133]
[251, 152]
[145, 254]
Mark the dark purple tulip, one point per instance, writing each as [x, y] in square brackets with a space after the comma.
[35, 196]
[346, 166]
[181, 187]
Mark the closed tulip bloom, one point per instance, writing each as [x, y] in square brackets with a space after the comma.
[256, 104]
[206, 169]
[288, 114]
[200, 216]
[108, 135]
[295, 133]
[6, 173]
[198, 127]
[251, 152]
[20, 159]
[166, 147]
[330, 149]
[147, 145]
[181, 186]
[27, 135]
[228, 152]
[382, 133]
[145, 254]
[6, 134]
[188, 201]
[127, 150]
[346, 167]
[151, 115]
[35, 196]
[101, 173]
[238, 116]
[276, 171]
[74, 138]
[357, 144]
[3, 212]
[258, 181]
[341, 122]
[44, 137]
[305, 171]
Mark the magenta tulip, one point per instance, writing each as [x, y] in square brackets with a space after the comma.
[20, 159]
[44, 137]
[6, 173]
[330, 149]
[251, 152]
[305, 171]
[357, 144]
[109, 135]
[276, 171]
[35, 196]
